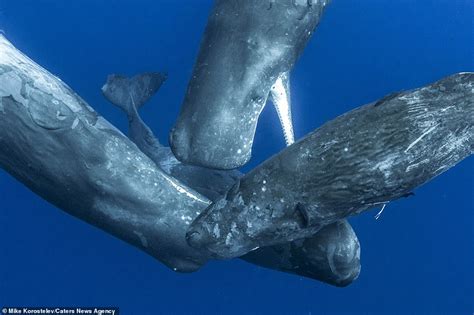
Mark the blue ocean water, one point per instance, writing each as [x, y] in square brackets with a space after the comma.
[418, 257]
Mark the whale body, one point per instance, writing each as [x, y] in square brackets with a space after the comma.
[331, 256]
[362, 159]
[248, 47]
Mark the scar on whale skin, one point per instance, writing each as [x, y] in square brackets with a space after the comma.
[368, 156]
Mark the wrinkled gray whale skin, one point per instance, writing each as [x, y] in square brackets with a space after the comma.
[331, 256]
[60, 148]
[130, 95]
[246, 46]
[365, 158]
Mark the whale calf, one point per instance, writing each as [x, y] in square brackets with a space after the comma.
[248, 47]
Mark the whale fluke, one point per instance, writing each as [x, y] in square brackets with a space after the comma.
[122, 91]
[130, 94]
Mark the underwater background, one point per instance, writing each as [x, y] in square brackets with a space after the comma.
[418, 257]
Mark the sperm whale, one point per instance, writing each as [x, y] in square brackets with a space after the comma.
[321, 257]
[242, 62]
[363, 159]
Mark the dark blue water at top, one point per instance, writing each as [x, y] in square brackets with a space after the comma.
[418, 257]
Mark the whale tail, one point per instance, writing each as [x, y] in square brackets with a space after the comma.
[135, 91]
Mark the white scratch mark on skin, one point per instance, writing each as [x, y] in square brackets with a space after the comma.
[183, 190]
[449, 107]
[377, 216]
[439, 169]
[60, 116]
[386, 165]
[75, 123]
[421, 137]
[410, 167]
[453, 142]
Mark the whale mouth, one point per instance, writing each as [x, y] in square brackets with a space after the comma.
[280, 97]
